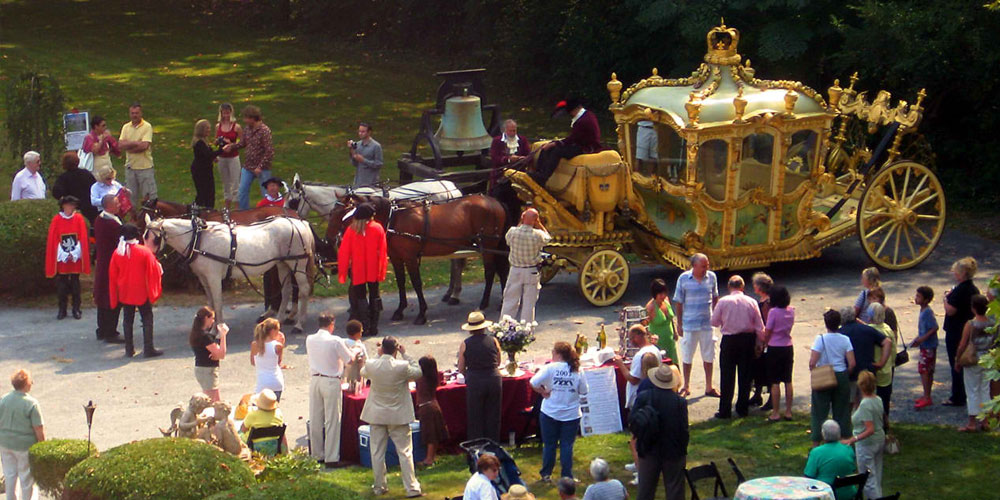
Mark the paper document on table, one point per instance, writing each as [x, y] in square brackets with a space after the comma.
[601, 413]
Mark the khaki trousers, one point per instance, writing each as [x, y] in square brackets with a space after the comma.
[521, 294]
[401, 437]
[325, 405]
[142, 183]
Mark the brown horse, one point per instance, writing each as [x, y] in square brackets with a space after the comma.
[417, 229]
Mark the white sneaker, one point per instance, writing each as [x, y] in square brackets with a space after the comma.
[635, 479]
[630, 468]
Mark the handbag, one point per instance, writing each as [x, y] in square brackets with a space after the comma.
[968, 357]
[903, 356]
[891, 444]
[86, 160]
[823, 378]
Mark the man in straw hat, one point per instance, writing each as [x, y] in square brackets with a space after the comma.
[389, 410]
[517, 492]
[665, 455]
[479, 362]
[266, 414]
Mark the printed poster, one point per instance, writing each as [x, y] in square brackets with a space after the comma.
[601, 413]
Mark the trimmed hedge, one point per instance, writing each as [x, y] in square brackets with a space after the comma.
[307, 488]
[51, 460]
[161, 468]
[295, 464]
[25, 227]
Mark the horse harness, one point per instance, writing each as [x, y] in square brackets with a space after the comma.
[425, 237]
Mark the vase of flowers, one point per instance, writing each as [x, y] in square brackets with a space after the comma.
[514, 336]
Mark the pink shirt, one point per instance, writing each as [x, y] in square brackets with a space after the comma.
[737, 313]
[780, 321]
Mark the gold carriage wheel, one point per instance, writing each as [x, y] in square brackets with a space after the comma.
[901, 215]
[604, 277]
[547, 272]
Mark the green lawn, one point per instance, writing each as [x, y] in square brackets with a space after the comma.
[936, 462]
[181, 66]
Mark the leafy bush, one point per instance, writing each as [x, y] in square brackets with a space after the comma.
[34, 117]
[25, 226]
[309, 488]
[51, 460]
[293, 465]
[162, 468]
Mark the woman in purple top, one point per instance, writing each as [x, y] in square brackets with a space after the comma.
[778, 355]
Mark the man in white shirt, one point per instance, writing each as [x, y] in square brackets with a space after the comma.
[633, 375]
[328, 355]
[28, 183]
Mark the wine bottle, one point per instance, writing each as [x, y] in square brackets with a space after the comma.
[602, 338]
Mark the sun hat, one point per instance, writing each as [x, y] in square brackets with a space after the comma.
[476, 321]
[266, 400]
[517, 492]
[663, 377]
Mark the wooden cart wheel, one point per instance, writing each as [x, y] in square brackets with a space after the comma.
[901, 215]
[604, 277]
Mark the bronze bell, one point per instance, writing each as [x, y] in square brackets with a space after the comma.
[462, 126]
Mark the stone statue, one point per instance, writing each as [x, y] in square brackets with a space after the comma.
[225, 434]
[186, 424]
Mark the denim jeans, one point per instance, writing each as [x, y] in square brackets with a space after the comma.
[564, 433]
[247, 178]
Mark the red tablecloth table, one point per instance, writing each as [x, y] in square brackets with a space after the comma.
[517, 396]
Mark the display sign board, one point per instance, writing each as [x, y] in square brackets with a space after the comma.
[601, 413]
[76, 127]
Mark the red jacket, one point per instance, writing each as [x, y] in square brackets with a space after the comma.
[71, 236]
[586, 133]
[134, 278]
[364, 255]
[264, 202]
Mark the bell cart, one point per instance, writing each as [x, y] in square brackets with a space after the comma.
[744, 170]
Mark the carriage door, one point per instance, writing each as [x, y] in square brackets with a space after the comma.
[754, 176]
[797, 164]
[712, 173]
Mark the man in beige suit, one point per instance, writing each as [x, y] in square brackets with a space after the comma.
[389, 411]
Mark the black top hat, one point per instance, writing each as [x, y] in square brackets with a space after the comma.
[564, 107]
[272, 179]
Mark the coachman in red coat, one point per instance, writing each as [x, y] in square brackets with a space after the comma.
[584, 138]
[135, 282]
[67, 254]
[363, 252]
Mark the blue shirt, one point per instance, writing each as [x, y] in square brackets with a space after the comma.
[926, 323]
[696, 298]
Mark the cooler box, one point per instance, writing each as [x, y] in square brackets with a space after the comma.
[391, 458]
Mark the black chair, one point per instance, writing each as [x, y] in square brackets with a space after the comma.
[453, 498]
[890, 497]
[258, 433]
[709, 471]
[858, 480]
[530, 416]
[740, 478]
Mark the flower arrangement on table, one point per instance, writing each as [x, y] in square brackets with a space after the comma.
[514, 337]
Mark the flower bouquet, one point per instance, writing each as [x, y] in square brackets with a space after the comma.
[514, 337]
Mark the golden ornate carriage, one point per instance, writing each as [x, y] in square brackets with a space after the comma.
[744, 170]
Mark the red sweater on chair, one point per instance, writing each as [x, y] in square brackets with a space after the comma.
[134, 278]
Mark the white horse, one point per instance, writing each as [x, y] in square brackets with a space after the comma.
[304, 197]
[287, 243]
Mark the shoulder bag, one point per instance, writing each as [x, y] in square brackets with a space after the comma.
[903, 356]
[968, 357]
[823, 378]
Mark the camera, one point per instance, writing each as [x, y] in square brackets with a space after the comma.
[354, 144]
[220, 141]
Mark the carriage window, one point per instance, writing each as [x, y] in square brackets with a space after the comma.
[659, 150]
[799, 158]
[755, 166]
[712, 160]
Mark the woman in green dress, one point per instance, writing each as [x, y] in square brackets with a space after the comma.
[660, 319]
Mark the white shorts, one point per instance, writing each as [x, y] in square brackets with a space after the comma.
[646, 144]
[690, 342]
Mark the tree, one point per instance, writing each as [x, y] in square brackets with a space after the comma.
[34, 117]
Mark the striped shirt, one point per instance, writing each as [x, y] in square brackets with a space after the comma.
[696, 297]
[526, 244]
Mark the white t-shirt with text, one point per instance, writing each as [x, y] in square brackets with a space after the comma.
[565, 387]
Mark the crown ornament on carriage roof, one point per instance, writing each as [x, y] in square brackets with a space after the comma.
[722, 42]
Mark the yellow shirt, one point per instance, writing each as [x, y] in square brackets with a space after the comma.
[144, 132]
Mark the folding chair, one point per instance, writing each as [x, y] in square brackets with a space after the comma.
[530, 415]
[858, 480]
[890, 497]
[259, 433]
[740, 478]
[709, 471]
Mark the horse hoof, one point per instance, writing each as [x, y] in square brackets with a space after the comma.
[446, 298]
[397, 316]
[264, 316]
[453, 301]
[420, 320]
